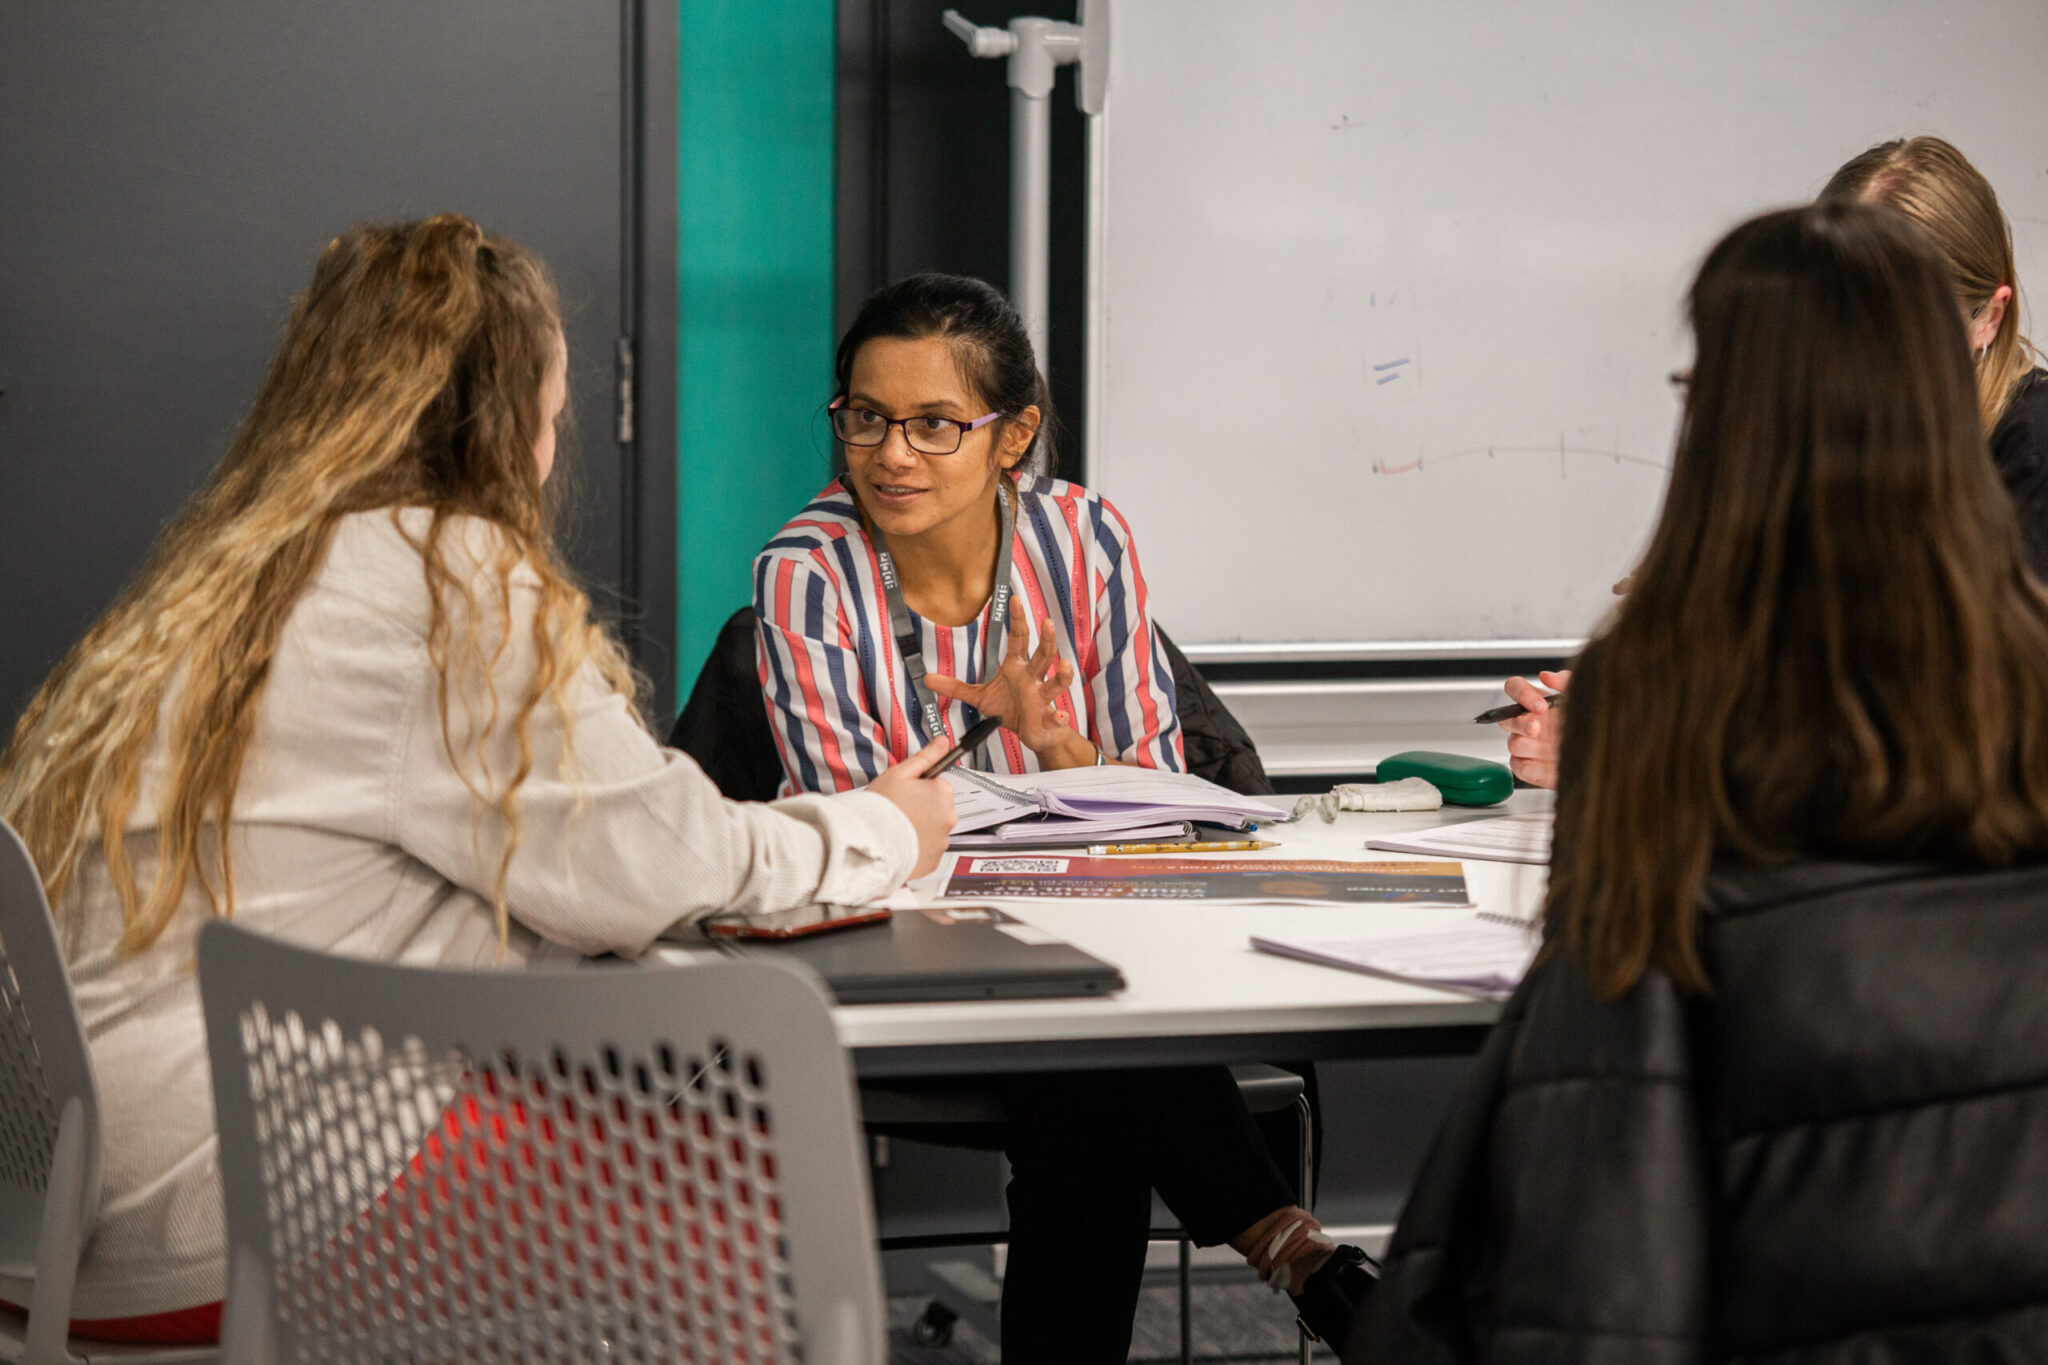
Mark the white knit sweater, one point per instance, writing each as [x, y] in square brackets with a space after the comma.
[354, 833]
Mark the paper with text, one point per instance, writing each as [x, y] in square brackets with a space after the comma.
[1474, 955]
[1503, 839]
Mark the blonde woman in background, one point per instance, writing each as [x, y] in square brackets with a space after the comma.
[1937, 188]
[356, 701]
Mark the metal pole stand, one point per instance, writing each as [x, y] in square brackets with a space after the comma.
[1037, 48]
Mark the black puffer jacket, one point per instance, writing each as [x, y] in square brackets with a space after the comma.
[1840, 1156]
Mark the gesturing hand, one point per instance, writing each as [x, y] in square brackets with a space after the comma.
[1022, 692]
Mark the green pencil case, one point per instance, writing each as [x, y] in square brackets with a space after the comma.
[1463, 781]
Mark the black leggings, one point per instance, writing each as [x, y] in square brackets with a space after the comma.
[1087, 1149]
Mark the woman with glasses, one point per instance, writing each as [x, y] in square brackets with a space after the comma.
[1936, 187]
[943, 578]
[1015, 595]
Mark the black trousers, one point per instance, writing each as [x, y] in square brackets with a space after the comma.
[1087, 1149]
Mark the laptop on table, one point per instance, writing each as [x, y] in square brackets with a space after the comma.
[969, 952]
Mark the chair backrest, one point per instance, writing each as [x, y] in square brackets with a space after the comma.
[43, 1065]
[1215, 745]
[629, 1164]
[724, 725]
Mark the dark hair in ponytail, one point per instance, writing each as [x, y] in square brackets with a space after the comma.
[988, 341]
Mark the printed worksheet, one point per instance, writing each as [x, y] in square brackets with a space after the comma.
[1503, 839]
[1476, 956]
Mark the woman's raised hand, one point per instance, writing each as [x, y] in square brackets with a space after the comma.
[927, 801]
[1023, 693]
[1533, 736]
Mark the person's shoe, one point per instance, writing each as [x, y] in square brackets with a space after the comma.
[1330, 1298]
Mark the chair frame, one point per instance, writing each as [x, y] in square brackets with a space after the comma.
[68, 1204]
[771, 1009]
[63, 1213]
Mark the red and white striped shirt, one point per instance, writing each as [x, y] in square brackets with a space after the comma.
[840, 699]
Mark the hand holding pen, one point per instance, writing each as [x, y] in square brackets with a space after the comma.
[927, 804]
[1532, 726]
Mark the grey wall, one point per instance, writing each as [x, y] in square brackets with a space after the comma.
[170, 173]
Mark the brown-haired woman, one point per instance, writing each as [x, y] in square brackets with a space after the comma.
[1935, 186]
[355, 700]
[1779, 1083]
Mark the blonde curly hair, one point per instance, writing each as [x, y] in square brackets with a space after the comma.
[410, 377]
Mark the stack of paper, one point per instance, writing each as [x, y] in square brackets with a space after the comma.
[1474, 956]
[1082, 805]
[1503, 839]
[1060, 831]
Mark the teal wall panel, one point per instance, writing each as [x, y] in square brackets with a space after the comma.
[754, 230]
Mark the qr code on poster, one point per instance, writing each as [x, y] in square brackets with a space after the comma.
[1013, 866]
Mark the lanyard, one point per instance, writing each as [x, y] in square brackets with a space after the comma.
[905, 630]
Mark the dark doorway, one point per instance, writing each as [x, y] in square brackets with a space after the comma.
[170, 173]
[924, 173]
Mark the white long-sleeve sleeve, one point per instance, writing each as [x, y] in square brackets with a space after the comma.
[639, 837]
[624, 839]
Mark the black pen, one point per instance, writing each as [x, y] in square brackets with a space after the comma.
[969, 742]
[1511, 710]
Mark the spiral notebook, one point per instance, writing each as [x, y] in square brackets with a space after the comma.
[1111, 799]
[1058, 832]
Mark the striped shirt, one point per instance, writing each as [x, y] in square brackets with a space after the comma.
[840, 699]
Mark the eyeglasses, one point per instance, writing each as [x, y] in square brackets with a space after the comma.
[927, 434]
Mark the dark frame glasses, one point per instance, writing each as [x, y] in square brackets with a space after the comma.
[942, 435]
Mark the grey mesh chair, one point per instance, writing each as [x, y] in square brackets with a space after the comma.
[629, 1165]
[49, 1130]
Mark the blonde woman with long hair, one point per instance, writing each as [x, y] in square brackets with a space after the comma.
[356, 701]
[1935, 186]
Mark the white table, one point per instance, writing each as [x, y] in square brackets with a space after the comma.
[1197, 990]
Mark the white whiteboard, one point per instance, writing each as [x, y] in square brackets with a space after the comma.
[1384, 297]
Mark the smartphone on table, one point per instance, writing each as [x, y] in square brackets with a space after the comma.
[801, 922]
